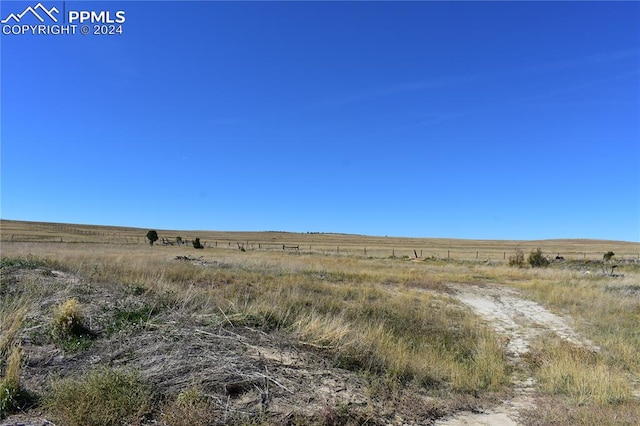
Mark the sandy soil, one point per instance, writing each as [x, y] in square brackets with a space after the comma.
[521, 321]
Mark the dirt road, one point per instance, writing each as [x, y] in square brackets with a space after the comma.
[522, 322]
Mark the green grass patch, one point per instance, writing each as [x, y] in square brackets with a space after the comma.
[130, 318]
[102, 397]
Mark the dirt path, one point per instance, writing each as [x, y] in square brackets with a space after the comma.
[522, 322]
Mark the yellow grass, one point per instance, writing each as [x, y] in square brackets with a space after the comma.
[382, 315]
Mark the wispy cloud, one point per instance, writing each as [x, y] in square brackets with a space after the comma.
[582, 86]
[397, 89]
[400, 88]
[583, 61]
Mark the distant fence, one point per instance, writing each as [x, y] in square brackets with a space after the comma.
[422, 250]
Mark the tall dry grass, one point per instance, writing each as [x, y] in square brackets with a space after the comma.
[387, 317]
[366, 314]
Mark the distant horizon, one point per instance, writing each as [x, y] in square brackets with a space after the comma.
[310, 232]
[435, 119]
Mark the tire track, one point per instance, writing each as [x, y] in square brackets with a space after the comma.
[522, 322]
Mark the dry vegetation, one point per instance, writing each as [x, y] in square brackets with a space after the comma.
[326, 334]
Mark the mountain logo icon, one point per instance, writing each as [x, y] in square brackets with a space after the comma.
[38, 11]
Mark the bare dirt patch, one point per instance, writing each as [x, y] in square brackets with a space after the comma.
[521, 321]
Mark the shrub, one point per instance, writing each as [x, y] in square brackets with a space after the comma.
[608, 256]
[67, 328]
[517, 259]
[67, 320]
[196, 244]
[101, 397]
[537, 259]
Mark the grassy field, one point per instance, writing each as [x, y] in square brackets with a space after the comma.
[347, 245]
[342, 329]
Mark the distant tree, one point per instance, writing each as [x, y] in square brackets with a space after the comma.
[537, 259]
[152, 236]
[196, 244]
[608, 256]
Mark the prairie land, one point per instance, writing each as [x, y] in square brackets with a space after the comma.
[99, 327]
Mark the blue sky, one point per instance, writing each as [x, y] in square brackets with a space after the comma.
[490, 120]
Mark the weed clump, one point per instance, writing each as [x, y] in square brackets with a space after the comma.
[537, 259]
[67, 320]
[67, 327]
[102, 397]
[517, 259]
[191, 407]
[10, 384]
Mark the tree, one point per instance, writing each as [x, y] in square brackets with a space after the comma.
[152, 236]
[196, 244]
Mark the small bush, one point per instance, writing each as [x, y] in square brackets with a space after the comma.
[67, 328]
[537, 259]
[67, 320]
[196, 244]
[608, 256]
[517, 259]
[101, 397]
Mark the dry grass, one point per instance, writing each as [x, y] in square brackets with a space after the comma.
[103, 397]
[67, 319]
[580, 374]
[388, 319]
[10, 390]
[605, 309]
[328, 244]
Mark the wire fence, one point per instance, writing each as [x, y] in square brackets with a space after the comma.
[319, 243]
[419, 250]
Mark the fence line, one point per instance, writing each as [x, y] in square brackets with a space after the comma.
[294, 247]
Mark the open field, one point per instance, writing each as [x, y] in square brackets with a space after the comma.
[351, 245]
[412, 331]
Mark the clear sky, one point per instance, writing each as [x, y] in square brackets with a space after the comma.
[489, 120]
